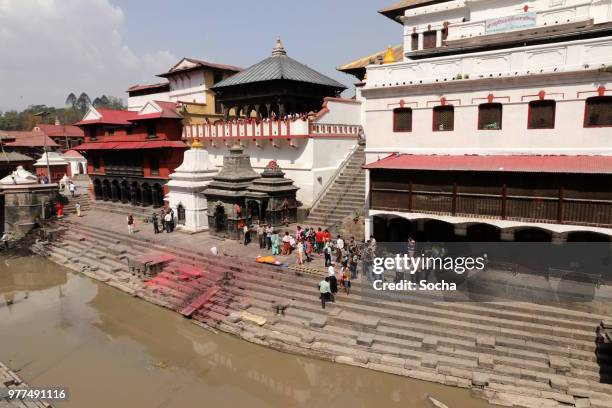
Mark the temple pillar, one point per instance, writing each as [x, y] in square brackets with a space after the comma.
[268, 106]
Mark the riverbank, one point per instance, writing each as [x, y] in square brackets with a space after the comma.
[513, 353]
[10, 383]
[110, 349]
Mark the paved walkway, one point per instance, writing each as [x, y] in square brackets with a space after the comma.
[201, 242]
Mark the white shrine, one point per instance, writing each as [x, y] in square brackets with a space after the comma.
[185, 187]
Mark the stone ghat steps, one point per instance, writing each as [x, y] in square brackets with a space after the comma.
[512, 311]
[520, 342]
[346, 342]
[216, 313]
[125, 209]
[464, 342]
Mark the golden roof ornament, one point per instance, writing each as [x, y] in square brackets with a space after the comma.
[389, 56]
[196, 144]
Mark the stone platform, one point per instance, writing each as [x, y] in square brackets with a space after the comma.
[510, 353]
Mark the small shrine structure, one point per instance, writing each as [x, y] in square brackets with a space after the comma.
[239, 196]
[272, 198]
[186, 186]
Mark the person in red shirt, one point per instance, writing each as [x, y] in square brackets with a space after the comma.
[326, 236]
[319, 240]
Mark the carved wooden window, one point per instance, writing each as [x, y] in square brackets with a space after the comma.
[541, 114]
[598, 111]
[402, 120]
[429, 39]
[154, 165]
[96, 163]
[490, 116]
[414, 42]
[443, 118]
[151, 130]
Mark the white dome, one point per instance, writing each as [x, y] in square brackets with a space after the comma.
[19, 176]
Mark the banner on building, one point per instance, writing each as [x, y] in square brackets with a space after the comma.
[509, 23]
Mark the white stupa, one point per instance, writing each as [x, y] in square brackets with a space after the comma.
[19, 176]
[185, 187]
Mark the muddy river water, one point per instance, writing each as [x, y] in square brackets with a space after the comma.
[112, 350]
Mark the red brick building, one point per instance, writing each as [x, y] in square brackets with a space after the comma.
[130, 154]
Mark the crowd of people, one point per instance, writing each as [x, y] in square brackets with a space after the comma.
[341, 257]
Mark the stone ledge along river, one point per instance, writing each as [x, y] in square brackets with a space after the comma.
[61, 329]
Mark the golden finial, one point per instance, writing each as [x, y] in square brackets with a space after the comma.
[389, 56]
[196, 144]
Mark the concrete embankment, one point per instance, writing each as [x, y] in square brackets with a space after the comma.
[9, 380]
[510, 353]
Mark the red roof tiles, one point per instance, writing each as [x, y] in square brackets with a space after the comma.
[151, 144]
[61, 130]
[505, 163]
[28, 138]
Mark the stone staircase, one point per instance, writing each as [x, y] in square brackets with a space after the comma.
[123, 208]
[82, 199]
[344, 197]
[511, 353]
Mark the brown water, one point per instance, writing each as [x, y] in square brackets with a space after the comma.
[110, 349]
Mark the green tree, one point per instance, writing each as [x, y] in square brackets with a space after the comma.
[83, 102]
[71, 100]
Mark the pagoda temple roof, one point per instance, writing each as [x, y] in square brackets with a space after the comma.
[279, 66]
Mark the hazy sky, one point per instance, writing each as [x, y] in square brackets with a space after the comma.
[49, 48]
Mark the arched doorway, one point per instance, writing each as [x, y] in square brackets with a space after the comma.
[483, 233]
[97, 187]
[106, 190]
[399, 229]
[180, 214]
[146, 194]
[80, 168]
[125, 192]
[115, 194]
[587, 236]
[253, 212]
[437, 231]
[220, 218]
[157, 195]
[379, 228]
[532, 235]
[135, 194]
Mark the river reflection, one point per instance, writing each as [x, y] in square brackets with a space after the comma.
[110, 349]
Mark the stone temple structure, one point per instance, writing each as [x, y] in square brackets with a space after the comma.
[271, 198]
[23, 201]
[238, 196]
[185, 188]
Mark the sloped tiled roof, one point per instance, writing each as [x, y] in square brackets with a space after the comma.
[111, 117]
[28, 138]
[279, 66]
[146, 87]
[198, 63]
[398, 53]
[13, 157]
[61, 130]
